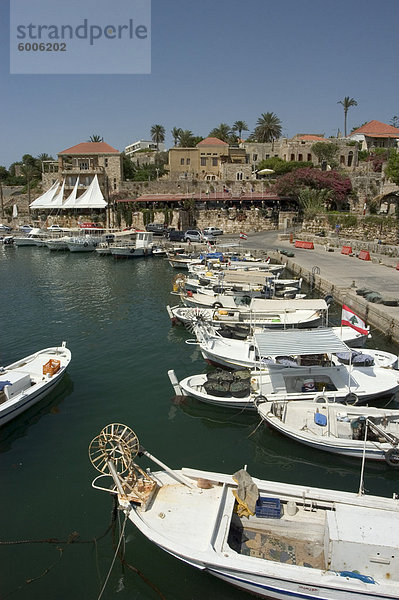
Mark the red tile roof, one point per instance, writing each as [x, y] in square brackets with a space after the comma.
[211, 141]
[91, 148]
[377, 129]
[312, 138]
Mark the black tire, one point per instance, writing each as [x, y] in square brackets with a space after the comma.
[216, 305]
[259, 400]
[351, 399]
[328, 299]
[392, 457]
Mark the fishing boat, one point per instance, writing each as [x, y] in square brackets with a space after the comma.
[25, 382]
[36, 237]
[239, 348]
[60, 243]
[273, 539]
[315, 374]
[138, 245]
[254, 301]
[356, 431]
[273, 313]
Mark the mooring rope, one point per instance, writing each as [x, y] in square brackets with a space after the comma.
[115, 555]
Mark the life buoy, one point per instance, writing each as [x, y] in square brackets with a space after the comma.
[392, 457]
[85, 244]
[351, 399]
[216, 305]
[131, 251]
[328, 299]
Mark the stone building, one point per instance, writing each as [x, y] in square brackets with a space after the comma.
[205, 161]
[375, 134]
[86, 160]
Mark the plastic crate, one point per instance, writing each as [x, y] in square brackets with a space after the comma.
[51, 367]
[269, 508]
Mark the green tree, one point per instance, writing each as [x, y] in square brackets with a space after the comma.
[347, 103]
[128, 167]
[239, 127]
[313, 202]
[95, 138]
[268, 128]
[158, 134]
[222, 132]
[280, 166]
[176, 132]
[186, 139]
[326, 151]
[392, 168]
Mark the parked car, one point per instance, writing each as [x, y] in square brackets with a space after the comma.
[195, 235]
[175, 235]
[212, 231]
[156, 228]
[26, 228]
[4, 227]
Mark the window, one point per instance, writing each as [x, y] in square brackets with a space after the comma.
[105, 162]
[203, 161]
[267, 156]
[214, 162]
[182, 161]
[292, 157]
[309, 159]
[255, 157]
[208, 153]
[300, 158]
[187, 161]
[239, 176]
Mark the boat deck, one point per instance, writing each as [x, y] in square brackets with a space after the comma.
[297, 540]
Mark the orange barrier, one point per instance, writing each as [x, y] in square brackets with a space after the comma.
[364, 255]
[346, 250]
[301, 244]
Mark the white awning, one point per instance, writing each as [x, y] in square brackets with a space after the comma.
[91, 198]
[43, 200]
[294, 342]
[70, 201]
[260, 304]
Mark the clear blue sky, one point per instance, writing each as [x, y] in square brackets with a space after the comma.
[217, 61]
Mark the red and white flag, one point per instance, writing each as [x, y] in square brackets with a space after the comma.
[243, 236]
[349, 318]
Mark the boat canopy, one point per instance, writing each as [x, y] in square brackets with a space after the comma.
[282, 305]
[299, 342]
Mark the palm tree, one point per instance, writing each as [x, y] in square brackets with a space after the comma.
[158, 134]
[186, 138]
[222, 132]
[268, 128]
[176, 132]
[240, 126]
[96, 138]
[347, 103]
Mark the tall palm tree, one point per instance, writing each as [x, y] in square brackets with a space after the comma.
[240, 126]
[268, 128]
[96, 138]
[158, 134]
[347, 103]
[186, 138]
[176, 132]
[222, 132]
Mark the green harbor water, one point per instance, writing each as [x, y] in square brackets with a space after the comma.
[112, 315]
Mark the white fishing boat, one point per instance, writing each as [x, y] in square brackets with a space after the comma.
[138, 245]
[83, 243]
[315, 375]
[238, 349]
[250, 300]
[273, 313]
[273, 539]
[30, 379]
[36, 237]
[181, 260]
[58, 243]
[349, 430]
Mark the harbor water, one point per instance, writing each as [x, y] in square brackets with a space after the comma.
[112, 315]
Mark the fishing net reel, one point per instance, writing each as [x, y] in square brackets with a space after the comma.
[112, 453]
[197, 316]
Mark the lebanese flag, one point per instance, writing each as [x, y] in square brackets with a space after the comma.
[243, 236]
[349, 318]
